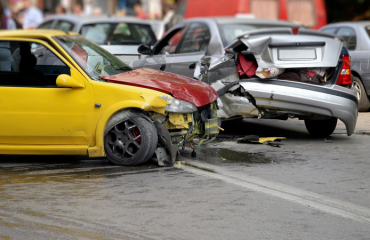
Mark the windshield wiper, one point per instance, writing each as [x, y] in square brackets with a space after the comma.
[124, 68]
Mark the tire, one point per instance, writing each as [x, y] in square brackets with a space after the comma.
[321, 128]
[363, 100]
[129, 139]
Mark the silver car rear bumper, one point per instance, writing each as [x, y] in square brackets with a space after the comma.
[302, 99]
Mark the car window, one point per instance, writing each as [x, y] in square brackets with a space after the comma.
[29, 64]
[349, 37]
[46, 25]
[367, 29]
[169, 44]
[119, 33]
[231, 31]
[329, 30]
[196, 38]
[64, 26]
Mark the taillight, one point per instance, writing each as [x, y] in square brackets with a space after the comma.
[345, 76]
[295, 30]
[346, 58]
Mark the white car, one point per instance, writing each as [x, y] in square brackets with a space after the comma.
[121, 36]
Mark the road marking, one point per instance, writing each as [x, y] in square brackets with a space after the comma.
[306, 198]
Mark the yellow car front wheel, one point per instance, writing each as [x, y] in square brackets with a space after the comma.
[129, 139]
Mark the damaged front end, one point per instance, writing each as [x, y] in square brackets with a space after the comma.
[183, 124]
[281, 75]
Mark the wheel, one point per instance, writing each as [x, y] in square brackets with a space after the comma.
[363, 101]
[321, 128]
[129, 139]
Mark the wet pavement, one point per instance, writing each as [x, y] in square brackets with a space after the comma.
[306, 189]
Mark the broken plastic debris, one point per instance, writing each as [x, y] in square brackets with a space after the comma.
[270, 139]
[272, 143]
[249, 139]
[268, 72]
[328, 140]
[223, 159]
[180, 162]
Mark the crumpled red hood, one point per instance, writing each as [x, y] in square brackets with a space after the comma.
[178, 86]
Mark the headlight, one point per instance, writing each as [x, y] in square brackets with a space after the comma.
[180, 106]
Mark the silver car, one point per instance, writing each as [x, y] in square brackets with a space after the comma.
[121, 36]
[356, 37]
[186, 43]
[319, 101]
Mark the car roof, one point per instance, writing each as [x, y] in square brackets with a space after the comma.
[228, 20]
[95, 19]
[37, 33]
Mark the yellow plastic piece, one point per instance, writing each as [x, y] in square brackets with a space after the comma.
[268, 139]
[179, 120]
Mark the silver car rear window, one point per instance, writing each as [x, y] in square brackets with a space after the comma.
[230, 31]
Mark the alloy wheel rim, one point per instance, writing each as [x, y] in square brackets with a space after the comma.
[124, 140]
[357, 86]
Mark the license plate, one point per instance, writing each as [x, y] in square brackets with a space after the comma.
[307, 54]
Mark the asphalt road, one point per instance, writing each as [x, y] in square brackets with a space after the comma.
[306, 189]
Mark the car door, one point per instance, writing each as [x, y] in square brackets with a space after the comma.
[163, 51]
[33, 109]
[192, 48]
[364, 55]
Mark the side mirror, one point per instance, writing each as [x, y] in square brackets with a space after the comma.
[145, 49]
[65, 80]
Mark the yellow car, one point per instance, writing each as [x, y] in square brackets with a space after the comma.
[61, 94]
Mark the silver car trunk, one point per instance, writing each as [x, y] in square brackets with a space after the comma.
[284, 50]
[280, 98]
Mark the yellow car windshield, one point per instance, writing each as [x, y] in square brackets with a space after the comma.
[93, 59]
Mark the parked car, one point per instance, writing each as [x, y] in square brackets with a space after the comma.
[119, 35]
[356, 38]
[64, 95]
[312, 62]
[186, 43]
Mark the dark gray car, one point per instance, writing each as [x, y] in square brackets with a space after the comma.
[356, 38]
[186, 43]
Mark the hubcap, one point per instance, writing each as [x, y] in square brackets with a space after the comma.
[357, 87]
[124, 140]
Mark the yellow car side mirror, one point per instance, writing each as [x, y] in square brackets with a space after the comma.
[65, 80]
